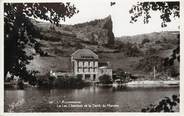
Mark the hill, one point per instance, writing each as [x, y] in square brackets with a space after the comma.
[129, 53]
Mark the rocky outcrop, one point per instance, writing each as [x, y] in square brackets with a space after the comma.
[98, 32]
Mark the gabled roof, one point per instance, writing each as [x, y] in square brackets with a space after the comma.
[84, 54]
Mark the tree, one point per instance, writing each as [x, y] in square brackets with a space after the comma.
[165, 105]
[122, 75]
[167, 10]
[19, 32]
[105, 79]
[145, 41]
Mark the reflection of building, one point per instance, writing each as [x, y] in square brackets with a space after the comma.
[85, 63]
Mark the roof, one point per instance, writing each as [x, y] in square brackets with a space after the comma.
[84, 54]
[104, 65]
[101, 64]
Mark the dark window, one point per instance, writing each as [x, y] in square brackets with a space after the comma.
[94, 77]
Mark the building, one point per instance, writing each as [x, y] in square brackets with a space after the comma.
[104, 69]
[85, 63]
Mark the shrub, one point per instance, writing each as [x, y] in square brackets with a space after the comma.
[158, 42]
[145, 41]
[133, 52]
[43, 82]
[148, 62]
[151, 51]
[32, 80]
[122, 75]
[69, 82]
[105, 79]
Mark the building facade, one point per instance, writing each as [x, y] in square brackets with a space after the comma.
[104, 70]
[85, 63]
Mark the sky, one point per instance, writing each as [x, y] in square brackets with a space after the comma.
[98, 9]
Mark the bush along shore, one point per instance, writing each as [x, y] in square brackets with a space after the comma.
[119, 78]
[62, 82]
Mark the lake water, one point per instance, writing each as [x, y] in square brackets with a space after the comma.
[89, 99]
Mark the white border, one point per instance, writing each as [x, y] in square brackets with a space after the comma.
[181, 113]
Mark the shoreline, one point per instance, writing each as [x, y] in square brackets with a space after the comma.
[150, 83]
[132, 84]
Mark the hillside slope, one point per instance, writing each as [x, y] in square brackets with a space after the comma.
[60, 42]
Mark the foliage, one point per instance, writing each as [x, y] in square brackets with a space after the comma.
[31, 78]
[151, 51]
[133, 51]
[148, 62]
[105, 79]
[129, 49]
[145, 41]
[167, 9]
[119, 74]
[162, 65]
[69, 82]
[165, 105]
[122, 75]
[19, 32]
[61, 82]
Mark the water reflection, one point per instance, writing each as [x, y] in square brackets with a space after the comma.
[115, 100]
[16, 99]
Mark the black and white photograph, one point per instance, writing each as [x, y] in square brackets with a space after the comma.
[91, 56]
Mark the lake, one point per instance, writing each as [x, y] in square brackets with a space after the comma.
[88, 99]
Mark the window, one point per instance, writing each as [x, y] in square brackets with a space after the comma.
[94, 77]
[91, 64]
[85, 64]
[80, 64]
[96, 64]
[85, 69]
[77, 69]
[80, 70]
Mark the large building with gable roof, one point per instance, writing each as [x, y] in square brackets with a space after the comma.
[86, 63]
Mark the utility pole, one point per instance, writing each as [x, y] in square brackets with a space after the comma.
[154, 72]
